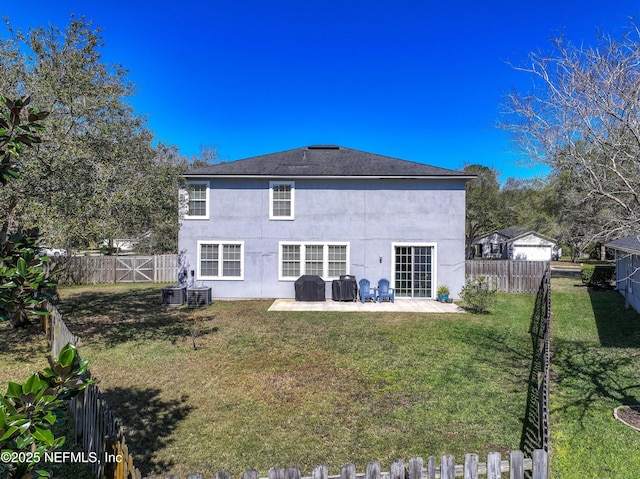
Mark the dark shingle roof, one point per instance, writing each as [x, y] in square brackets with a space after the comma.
[325, 160]
[629, 244]
[512, 231]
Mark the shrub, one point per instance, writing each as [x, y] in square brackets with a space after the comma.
[597, 274]
[478, 294]
[29, 410]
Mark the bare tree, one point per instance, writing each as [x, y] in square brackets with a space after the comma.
[582, 118]
[207, 157]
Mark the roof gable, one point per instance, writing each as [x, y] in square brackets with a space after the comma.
[529, 235]
[493, 235]
[326, 160]
[512, 234]
[513, 231]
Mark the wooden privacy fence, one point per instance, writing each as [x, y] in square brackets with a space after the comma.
[97, 428]
[100, 432]
[56, 331]
[116, 269]
[416, 469]
[509, 276]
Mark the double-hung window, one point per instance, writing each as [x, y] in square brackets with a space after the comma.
[281, 200]
[197, 200]
[329, 260]
[221, 260]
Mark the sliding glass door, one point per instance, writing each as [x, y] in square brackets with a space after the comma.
[414, 271]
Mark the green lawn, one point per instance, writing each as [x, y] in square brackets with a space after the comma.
[267, 389]
[596, 367]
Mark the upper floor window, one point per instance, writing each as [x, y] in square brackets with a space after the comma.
[197, 200]
[281, 200]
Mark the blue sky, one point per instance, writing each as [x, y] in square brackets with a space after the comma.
[418, 80]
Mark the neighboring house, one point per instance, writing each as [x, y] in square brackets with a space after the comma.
[252, 227]
[627, 257]
[491, 245]
[516, 243]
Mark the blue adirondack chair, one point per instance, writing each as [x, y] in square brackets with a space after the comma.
[384, 291]
[366, 291]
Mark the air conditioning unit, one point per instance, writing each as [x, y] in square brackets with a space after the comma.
[174, 295]
[197, 297]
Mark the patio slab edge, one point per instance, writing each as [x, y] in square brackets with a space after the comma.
[399, 306]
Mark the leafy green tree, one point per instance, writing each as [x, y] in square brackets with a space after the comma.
[533, 204]
[484, 205]
[22, 273]
[151, 213]
[97, 162]
[580, 216]
[23, 278]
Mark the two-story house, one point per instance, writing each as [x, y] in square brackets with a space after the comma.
[250, 228]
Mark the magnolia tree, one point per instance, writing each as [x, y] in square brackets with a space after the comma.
[23, 277]
[582, 118]
[29, 410]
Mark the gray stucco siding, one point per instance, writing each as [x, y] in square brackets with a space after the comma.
[628, 278]
[368, 214]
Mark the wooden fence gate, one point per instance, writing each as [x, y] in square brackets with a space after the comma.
[134, 269]
[116, 269]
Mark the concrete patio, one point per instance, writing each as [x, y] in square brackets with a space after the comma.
[400, 306]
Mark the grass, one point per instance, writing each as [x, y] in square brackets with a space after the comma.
[265, 389]
[596, 367]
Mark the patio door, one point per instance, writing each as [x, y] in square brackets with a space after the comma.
[413, 266]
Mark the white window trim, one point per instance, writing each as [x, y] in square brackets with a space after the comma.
[292, 184]
[434, 263]
[220, 277]
[325, 258]
[186, 192]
